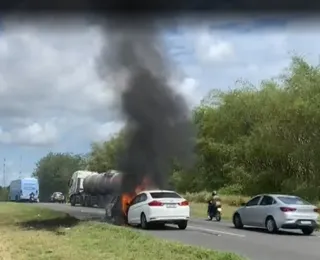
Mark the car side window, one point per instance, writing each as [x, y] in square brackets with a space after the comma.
[136, 200]
[253, 202]
[267, 200]
[144, 197]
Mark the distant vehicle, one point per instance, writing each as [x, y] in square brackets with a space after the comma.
[24, 190]
[93, 189]
[58, 197]
[158, 207]
[275, 211]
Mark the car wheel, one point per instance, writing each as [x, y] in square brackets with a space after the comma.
[183, 224]
[307, 230]
[237, 222]
[143, 221]
[271, 225]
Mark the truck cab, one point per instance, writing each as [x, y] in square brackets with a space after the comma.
[76, 186]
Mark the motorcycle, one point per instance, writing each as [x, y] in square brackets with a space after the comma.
[215, 212]
[218, 213]
[31, 198]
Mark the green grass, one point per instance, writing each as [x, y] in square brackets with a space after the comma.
[29, 232]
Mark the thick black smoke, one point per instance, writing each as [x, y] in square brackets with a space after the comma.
[158, 120]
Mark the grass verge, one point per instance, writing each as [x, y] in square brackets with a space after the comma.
[33, 233]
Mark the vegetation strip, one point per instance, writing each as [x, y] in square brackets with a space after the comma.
[40, 234]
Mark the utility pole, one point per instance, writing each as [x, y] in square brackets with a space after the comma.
[20, 166]
[4, 172]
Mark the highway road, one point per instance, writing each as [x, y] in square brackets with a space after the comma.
[254, 244]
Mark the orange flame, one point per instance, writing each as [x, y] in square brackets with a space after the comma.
[126, 198]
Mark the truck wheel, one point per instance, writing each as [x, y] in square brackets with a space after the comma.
[86, 204]
[307, 230]
[72, 201]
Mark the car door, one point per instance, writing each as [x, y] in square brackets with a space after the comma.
[132, 212]
[264, 209]
[248, 215]
[141, 206]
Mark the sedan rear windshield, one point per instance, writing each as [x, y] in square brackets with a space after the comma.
[293, 200]
[164, 195]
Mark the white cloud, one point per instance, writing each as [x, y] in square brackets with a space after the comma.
[34, 134]
[106, 130]
[187, 87]
[49, 72]
[49, 87]
[210, 48]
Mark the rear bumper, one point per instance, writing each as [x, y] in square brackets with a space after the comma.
[301, 223]
[168, 220]
[58, 199]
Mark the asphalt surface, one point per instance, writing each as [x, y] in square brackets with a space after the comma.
[252, 243]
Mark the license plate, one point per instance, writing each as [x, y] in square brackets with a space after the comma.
[306, 222]
[171, 205]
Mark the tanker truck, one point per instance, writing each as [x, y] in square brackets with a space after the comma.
[90, 189]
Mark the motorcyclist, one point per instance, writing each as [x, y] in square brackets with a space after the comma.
[31, 196]
[213, 203]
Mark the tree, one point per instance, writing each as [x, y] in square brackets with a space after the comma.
[250, 140]
[55, 170]
[4, 193]
[260, 138]
[104, 156]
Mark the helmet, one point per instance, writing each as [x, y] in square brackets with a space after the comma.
[214, 193]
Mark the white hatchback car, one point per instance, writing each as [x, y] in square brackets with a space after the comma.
[158, 207]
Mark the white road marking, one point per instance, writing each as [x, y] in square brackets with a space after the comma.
[215, 231]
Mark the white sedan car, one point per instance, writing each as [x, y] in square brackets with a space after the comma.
[275, 211]
[159, 207]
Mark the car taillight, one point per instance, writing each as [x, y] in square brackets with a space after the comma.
[287, 209]
[155, 203]
[184, 203]
[317, 210]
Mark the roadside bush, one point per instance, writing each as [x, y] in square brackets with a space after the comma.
[204, 196]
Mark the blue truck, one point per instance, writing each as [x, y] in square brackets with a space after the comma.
[24, 190]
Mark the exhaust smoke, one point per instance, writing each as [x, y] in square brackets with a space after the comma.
[158, 125]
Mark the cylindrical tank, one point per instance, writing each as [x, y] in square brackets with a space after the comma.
[102, 183]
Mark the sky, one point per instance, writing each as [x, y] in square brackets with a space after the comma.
[52, 98]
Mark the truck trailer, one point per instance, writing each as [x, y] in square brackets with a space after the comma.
[89, 189]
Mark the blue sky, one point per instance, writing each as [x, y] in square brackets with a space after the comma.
[51, 98]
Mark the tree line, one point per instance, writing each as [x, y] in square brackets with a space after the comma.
[4, 193]
[250, 140]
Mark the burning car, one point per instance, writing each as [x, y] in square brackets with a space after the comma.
[158, 207]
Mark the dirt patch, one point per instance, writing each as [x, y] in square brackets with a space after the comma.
[55, 224]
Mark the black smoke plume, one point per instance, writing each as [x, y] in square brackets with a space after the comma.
[158, 120]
